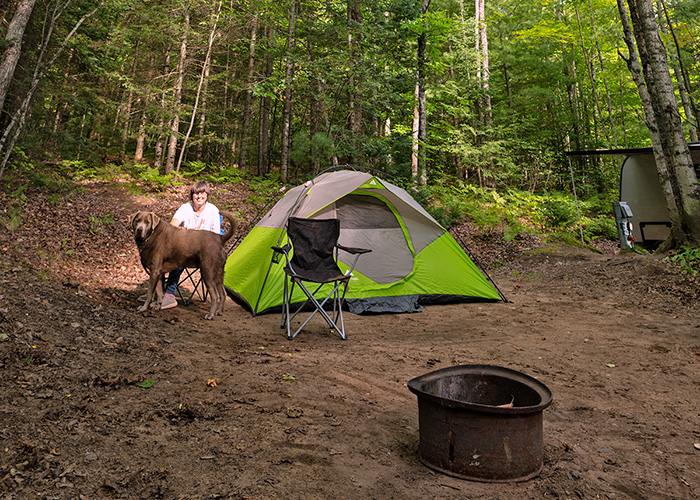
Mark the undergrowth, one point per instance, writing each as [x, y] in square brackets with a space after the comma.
[687, 259]
[512, 212]
[555, 215]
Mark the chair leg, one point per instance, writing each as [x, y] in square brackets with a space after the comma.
[285, 305]
[319, 308]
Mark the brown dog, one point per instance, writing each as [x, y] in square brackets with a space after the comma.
[164, 247]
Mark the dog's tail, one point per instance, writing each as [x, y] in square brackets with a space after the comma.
[232, 227]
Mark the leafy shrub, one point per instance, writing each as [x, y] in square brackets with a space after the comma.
[193, 168]
[687, 258]
[263, 190]
[556, 212]
[228, 173]
[152, 176]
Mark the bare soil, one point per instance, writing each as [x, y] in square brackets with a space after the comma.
[237, 411]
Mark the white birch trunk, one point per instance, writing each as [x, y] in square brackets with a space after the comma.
[13, 39]
[177, 101]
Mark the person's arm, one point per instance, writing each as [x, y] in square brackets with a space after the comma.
[180, 216]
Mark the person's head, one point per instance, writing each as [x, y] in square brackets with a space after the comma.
[200, 187]
[199, 194]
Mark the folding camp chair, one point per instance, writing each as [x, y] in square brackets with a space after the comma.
[194, 277]
[311, 255]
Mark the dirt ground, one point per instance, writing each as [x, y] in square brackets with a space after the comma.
[234, 410]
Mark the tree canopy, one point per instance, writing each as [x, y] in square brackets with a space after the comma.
[291, 87]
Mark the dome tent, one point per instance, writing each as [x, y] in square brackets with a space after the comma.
[414, 260]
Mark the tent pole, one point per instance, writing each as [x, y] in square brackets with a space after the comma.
[578, 212]
[291, 211]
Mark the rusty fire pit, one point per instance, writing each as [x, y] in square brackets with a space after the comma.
[481, 422]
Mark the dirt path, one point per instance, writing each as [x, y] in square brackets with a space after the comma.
[237, 411]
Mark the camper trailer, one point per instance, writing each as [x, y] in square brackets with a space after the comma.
[641, 190]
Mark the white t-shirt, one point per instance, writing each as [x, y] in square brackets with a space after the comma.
[209, 219]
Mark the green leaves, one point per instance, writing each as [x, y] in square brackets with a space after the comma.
[687, 258]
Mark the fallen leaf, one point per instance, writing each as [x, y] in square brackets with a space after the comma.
[294, 412]
[211, 382]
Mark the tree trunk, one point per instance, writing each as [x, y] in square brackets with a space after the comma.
[420, 175]
[681, 65]
[676, 63]
[356, 118]
[483, 71]
[177, 99]
[684, 190]
[660, 159]
[13, 41]
[285, 146]
[144, 103]
[265, 110]
[19, 117]
[129, 103]
[592, 77]
[319, 118]
[414, 134]
[159, 148]
[248, 106]
[205, 71]
[605, 79]
[569, 69]
[63, 107]
[203, 114]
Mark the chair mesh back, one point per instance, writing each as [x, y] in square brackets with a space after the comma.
[314, 241]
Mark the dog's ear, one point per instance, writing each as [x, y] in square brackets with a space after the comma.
[154, 219]
[131, 219]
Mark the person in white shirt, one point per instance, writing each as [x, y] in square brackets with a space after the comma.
[197, 214]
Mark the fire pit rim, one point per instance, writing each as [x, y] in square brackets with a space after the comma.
[414, 385]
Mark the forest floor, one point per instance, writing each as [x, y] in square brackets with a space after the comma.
[237, 411]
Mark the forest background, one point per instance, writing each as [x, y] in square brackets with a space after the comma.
[475, 104]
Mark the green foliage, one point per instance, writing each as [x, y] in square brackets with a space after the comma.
[84, 171]
[555, 211]
[152, 176]
[687, 258]
[12, 216]
[225, 173]
[498, 165]
[12, 219]
[96, 223]
[193, 169]
[515, 211]
[263, 191]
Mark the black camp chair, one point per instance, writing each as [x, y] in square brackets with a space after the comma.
[314, 260]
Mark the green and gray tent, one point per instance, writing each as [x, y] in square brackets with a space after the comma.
[414, 260]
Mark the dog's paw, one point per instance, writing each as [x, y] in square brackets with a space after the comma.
[209, 316]
[142, 308]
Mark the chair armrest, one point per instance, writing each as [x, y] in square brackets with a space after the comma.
[285, 249]
[353, 250]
